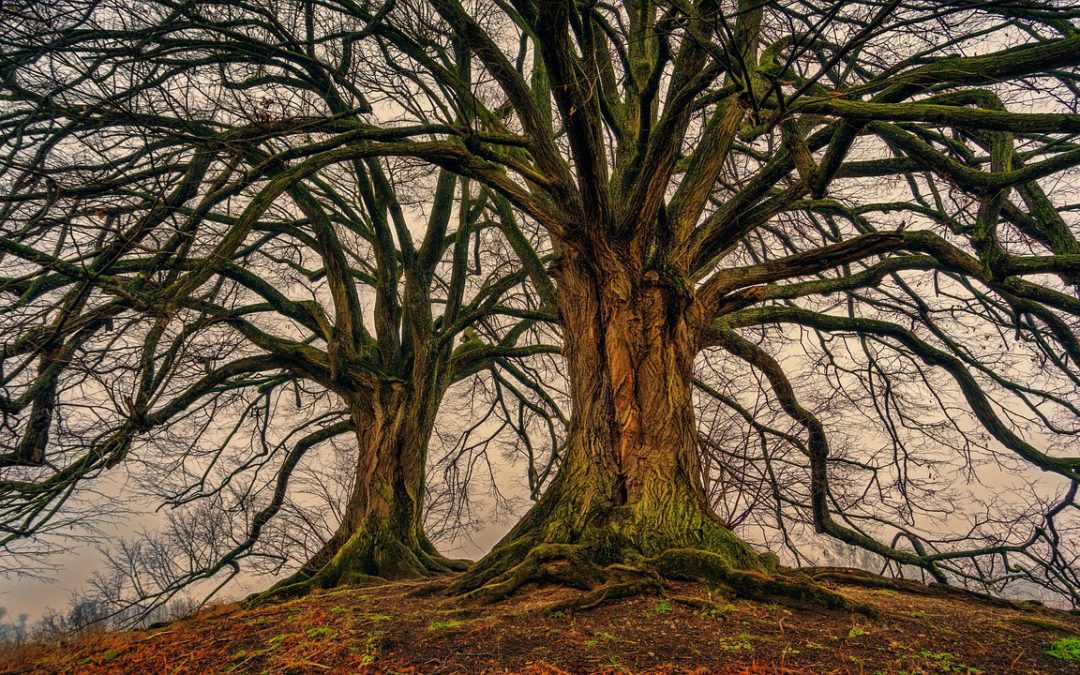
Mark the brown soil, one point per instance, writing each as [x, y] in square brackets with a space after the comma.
[382, 629]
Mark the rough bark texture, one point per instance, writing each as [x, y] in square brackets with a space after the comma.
[381, 535]
[631, 485]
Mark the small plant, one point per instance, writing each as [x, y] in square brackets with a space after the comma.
[740, 643]
[718, 611]
[945, 662]
[376, 642]
[448, 624]
[275, 642]
[338, 610]
[856, 631]
[318, 632]
[790, 651]
[772, 606]
[919, 615]
[1066, 649]
[376, 618]
[662, 606]
[111, 654]
[558, 614]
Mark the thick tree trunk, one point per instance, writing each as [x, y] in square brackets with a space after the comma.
[381, 535]
[631, 483]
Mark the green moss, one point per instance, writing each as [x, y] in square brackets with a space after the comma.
[1066, 649]
[448, 624]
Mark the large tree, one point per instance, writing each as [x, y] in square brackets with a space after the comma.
[700, 169]
[712, 178]
[224, 308]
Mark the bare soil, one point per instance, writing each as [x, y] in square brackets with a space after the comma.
[385, 629]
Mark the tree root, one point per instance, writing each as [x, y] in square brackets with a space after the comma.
[858, 577]
[569, 564]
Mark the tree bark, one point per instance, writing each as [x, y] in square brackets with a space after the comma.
[631, 483]
[381, 535]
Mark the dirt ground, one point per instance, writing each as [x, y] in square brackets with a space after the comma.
[383, 629]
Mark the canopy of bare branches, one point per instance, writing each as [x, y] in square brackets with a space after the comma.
[709, 272]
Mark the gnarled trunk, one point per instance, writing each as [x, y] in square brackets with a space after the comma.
[381, 535]
[631, 482]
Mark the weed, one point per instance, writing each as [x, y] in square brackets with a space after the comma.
[318, 632]
[919, 615]
[772, 606]
[338, 610]
[789, 651]
[945, 662]
[448, 624]
[856, 631]
[376, 618]
[275, 642]
[111, 654]
[741, 642]
[376, 642]
[1066, 649]
[721, 611]
[662, 606]
[602, 636]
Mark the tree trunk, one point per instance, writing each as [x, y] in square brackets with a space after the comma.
[381, 535]
[631, 483]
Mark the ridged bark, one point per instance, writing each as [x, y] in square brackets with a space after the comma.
[631, 485]
[381, 534]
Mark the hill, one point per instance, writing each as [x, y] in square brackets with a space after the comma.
[395, 628]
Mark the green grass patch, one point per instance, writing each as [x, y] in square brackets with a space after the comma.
[1066, 649]
[945, 662]
[318, 632]
[447, 624]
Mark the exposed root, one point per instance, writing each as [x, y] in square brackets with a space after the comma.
[370, 556]
[857, 577]
[570, 564]
[562, 563]
[710, 568]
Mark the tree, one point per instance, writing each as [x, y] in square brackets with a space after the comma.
[210, 296]
[697, 168]
[716, 180]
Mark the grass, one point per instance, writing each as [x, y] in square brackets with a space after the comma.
[720, 611]
[447, 624]
[1066, 649]
[946, 662]
[739, 643]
